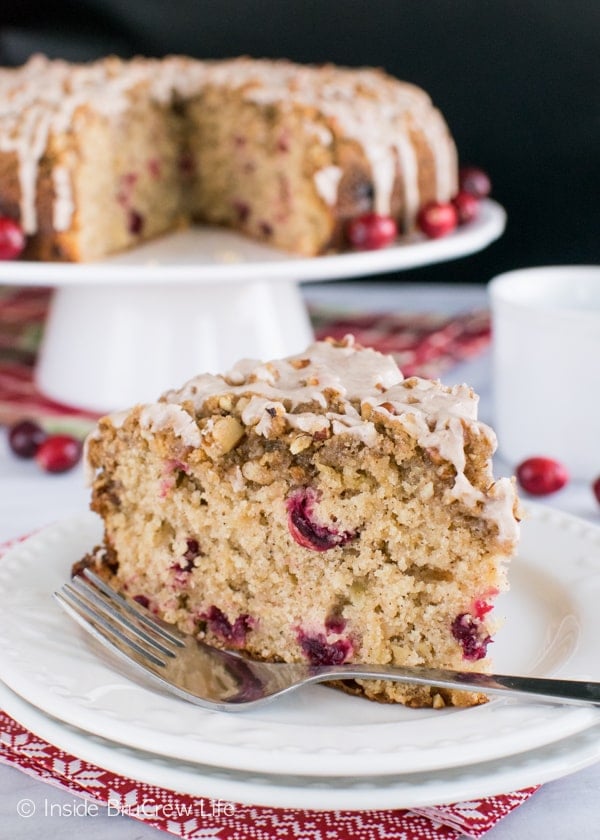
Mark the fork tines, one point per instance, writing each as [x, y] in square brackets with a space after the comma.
[118, 621]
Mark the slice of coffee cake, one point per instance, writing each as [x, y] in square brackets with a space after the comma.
[318, 508]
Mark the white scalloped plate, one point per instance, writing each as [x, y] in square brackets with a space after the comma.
[552, 627]
[406, 790]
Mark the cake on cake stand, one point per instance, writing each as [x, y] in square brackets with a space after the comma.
[126, 328]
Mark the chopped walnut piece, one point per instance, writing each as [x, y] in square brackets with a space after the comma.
[299, 364]
[222, 436]
[258, 473]
[388, 406]
[426, 492]
[300, 443]
[226, 402]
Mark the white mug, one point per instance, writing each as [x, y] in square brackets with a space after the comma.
[546, 366]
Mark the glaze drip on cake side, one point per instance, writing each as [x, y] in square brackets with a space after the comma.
[386, 118]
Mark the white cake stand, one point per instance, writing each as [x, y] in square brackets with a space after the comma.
[124, 329]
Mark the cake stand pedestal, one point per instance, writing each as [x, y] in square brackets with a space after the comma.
[108, 348]
[126, 328]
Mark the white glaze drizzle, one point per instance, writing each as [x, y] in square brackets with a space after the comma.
[327, 181]
[64, 206]
[157, 417]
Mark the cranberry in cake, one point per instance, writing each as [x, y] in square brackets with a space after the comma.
[318, 508]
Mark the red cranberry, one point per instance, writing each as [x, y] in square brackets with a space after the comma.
[186, 164]
[471, 636]
[283, 141]
[371, 231]
[192, 551]
[154, 168]
[307, 532]
[232, 633]
[242, 210]
[335, 623]
[474, 180]
[319, 651]
[142, 600]
[25, 438]
[59, 453]
[12, 239]
[467, 207]
[596, 488]
[541, 476]
[481, 606]
[135, 223]
[437, 219]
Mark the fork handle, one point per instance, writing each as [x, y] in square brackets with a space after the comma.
[574, 692]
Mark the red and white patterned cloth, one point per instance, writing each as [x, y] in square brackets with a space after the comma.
[423, 344]
[193, 818]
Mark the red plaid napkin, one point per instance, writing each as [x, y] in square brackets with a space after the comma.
[424, 345]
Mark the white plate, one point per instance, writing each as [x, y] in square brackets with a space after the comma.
[206, 255]
[407, 790]
[552, 626]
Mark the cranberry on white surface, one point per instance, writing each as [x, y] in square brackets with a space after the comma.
[25, 438]
[541, 476]
[59, 453]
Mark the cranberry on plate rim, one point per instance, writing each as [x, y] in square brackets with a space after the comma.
[371, 231]
[439, 218]
[473, 180]
[12, 239]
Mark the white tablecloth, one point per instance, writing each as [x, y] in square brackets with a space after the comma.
[569, 807]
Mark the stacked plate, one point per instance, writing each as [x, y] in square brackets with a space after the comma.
[316, 748]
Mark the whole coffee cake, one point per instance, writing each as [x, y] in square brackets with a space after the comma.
[96, 158]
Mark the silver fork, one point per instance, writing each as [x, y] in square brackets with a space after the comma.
[224, 680]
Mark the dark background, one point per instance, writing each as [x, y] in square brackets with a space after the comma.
[517, 80]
